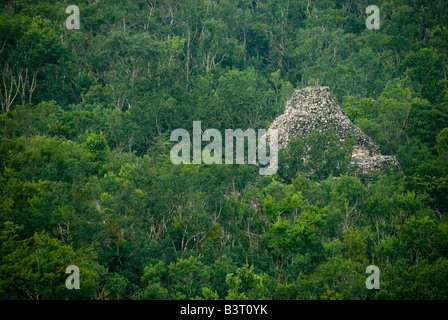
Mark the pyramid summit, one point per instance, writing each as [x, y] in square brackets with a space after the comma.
[315, 108]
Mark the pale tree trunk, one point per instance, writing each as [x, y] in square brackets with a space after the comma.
[15, 82]
[27, 84]
[10, 88]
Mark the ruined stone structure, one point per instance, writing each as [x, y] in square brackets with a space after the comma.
[315, 108]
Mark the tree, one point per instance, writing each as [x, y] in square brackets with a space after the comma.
[34, 268]
[244, 284]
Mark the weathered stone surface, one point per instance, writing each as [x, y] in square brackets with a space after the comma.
[315, 108]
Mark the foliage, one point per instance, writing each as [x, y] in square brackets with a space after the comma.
[85, 175]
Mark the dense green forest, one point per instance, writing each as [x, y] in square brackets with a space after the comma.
[86, 178]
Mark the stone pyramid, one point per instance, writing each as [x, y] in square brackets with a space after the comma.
[315, 108]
